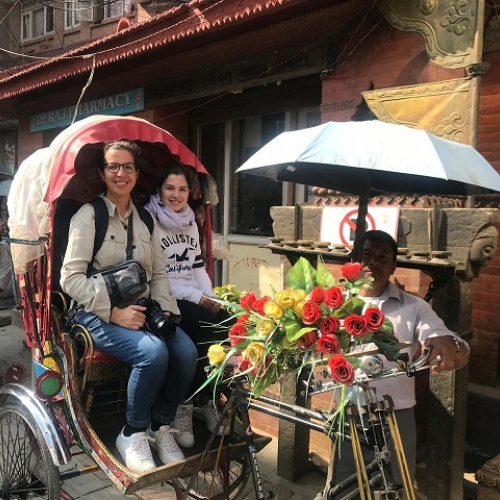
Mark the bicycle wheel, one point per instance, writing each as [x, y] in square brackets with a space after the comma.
[227, 481]
[26, 467]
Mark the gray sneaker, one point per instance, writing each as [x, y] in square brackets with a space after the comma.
[164, 443]
[211, 416]
[183, 424]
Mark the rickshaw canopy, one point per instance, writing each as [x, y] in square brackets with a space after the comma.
[63, 150]
[68, 168]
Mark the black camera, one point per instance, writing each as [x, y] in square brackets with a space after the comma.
[161, 325]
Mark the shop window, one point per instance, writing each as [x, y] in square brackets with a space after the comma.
[212, 157]
[252, 196]
[8, 151]
[37, 22]
[111, 9]
[71, 14]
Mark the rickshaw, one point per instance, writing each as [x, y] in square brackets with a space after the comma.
[78, 394]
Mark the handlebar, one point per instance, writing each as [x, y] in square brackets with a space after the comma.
[371, 367]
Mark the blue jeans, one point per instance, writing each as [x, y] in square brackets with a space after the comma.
[153, 390]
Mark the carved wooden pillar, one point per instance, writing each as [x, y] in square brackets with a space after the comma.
[452, 301]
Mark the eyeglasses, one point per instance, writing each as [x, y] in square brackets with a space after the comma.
[128, 168]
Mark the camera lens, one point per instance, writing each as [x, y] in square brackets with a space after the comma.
[161, 325]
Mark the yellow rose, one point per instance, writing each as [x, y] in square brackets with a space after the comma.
[264, 327]
[298, 295]
[216, 354]
[255, 353]
[299, 307]
[273, 310]
[285, 299]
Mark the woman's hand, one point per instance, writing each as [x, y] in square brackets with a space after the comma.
[209, 304]
[131, 317]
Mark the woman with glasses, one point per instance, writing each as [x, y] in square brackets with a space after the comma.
[152, 398]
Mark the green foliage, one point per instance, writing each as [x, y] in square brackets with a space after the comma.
[302, 276]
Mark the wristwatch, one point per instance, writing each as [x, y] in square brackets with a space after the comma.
[458, 342]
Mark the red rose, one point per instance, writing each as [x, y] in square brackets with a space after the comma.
[351, 271]
[243, 318]
[237, 334]
[308, 339]
[317, 295]
[329, 325]
[258, 370]
[244, 365]
[334, 297]
[355, 325]
[374, 319]
[258, 305]
[341, 370]
[328, 344]
[247, 300]
[311, 313]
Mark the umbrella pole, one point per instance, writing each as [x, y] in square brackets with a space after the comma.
[360, 226]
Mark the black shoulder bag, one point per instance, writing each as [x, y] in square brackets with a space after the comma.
[125, 282]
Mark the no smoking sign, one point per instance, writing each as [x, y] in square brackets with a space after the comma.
[338, 224]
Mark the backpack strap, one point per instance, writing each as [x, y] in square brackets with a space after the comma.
[147, 218]
[102, 219]
[101, 224]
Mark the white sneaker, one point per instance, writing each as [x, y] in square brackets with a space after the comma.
[211, 416]
[135, 452]
[164, 443]
[183, 424]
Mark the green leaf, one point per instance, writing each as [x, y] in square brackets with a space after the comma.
[291, 326]
[263, 380]
[387, 328]
[344, 340]
[324, 277]
[293, 335]
[302, 276]
[355, 362]
[387, 344]
[351, 306]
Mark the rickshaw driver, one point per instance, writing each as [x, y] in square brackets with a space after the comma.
[415, 323]
[151, 402]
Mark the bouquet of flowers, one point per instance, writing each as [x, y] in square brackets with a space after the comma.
[315, 321]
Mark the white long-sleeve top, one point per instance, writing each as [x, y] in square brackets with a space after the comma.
[184, 263]
[414, 322]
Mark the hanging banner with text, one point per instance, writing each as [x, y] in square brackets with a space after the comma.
[338, 224]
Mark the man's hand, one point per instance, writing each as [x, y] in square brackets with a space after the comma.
[446, 349]
[209, 304]
[132, 317]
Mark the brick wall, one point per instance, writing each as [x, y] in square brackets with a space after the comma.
[484, 364]
[388, 59]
